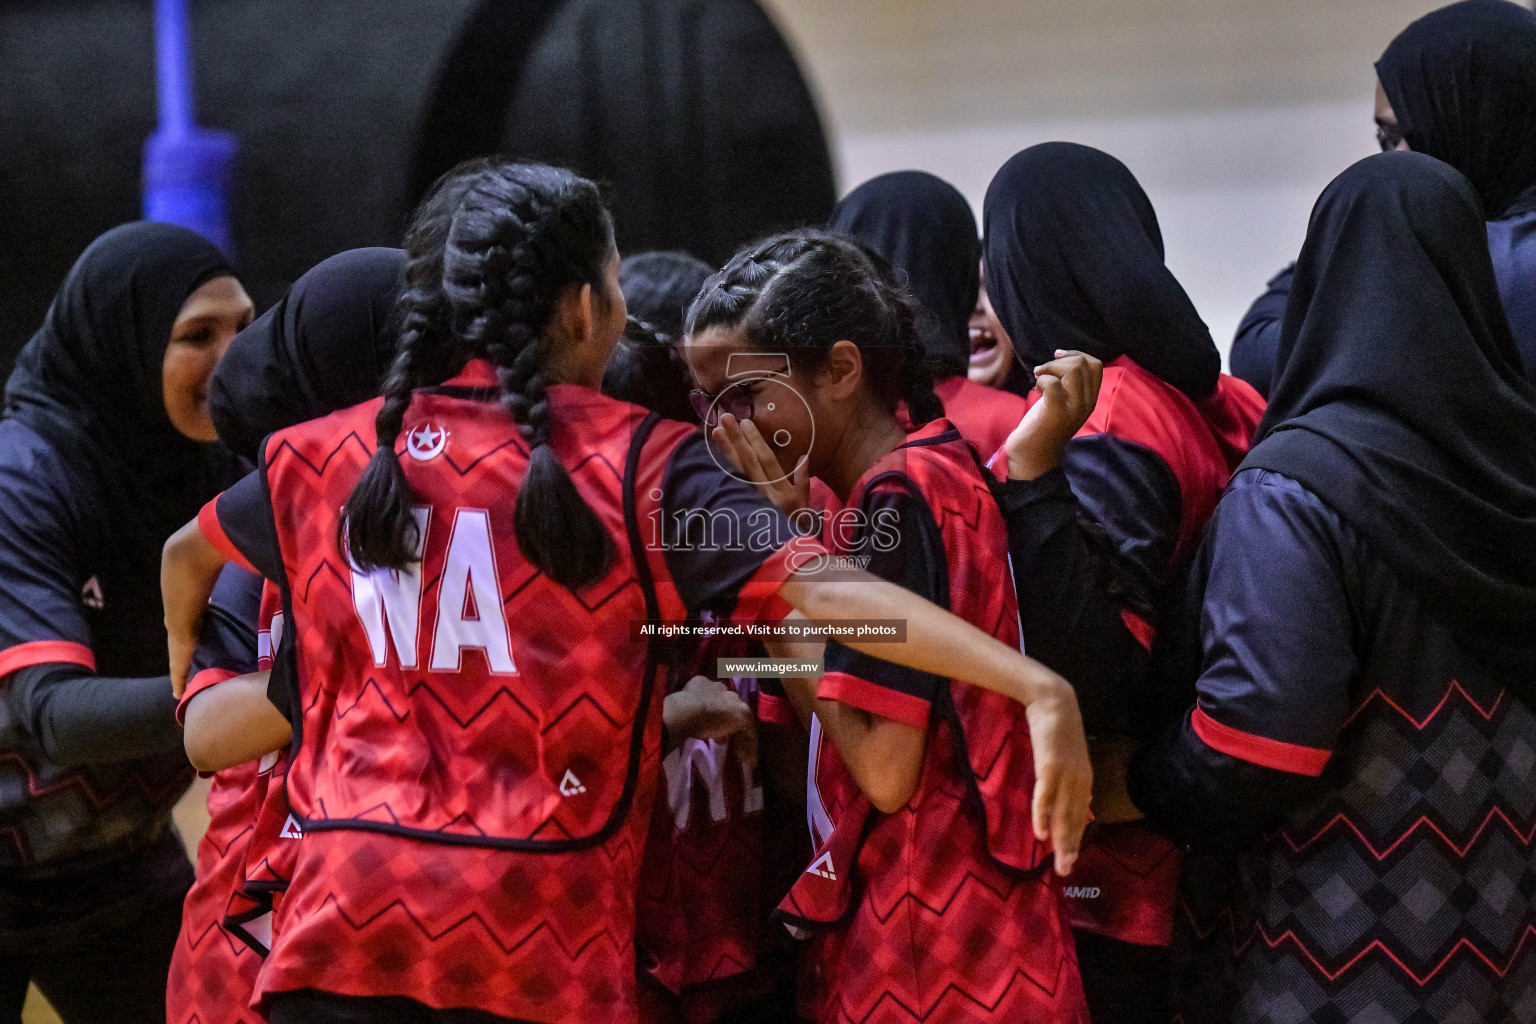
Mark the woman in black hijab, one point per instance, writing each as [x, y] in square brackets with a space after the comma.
[925, 230]
[104, 449]
[1460, 85]
[324, 346]
[1074, 261]
[1367, 640]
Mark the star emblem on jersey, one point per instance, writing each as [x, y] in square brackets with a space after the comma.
[427, 441]
[821, 867]
[570, 785]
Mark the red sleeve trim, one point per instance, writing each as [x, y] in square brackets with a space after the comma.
[208, 522]
[775, 710]
[758, 600]
[46, 652]
[203, 680]
[1259, 750]
[1140, 628]
[874, 698]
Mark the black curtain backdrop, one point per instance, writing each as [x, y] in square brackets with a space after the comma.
[692, 112]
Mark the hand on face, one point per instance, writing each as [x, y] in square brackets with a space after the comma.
[208, 321]
[756, 462]
[1069, 389]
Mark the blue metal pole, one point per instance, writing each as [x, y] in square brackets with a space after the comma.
[187, 169]
[173, 71]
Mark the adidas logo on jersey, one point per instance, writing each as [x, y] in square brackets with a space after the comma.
[570, 785]
[291, 829]
[91, 595]
[822, 867]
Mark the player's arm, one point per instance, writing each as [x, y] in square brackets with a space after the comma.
[234, 527]
[884, 756]
[189, 568]
[232, 723]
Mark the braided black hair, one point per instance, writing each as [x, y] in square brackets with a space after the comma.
[647, 368]
[506, 240]
[803, 291]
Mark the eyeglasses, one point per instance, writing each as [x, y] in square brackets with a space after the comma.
[1388, 135]
[735, 399]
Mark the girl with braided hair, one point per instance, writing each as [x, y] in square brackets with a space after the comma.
[931, 894]
[471, 569]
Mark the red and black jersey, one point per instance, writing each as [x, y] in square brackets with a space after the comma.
[943, 911]
[272, 848]
[477, 747]
[712, 874]
[212, 971]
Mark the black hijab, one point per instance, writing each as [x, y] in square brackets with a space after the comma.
[926, 231]
[1462, 82]
[1401, 402]
[90, 382]
[1074, 260]
[324, 346]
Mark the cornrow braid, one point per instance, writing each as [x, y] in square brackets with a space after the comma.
[520, 237]
[378, 529]
[803, 291]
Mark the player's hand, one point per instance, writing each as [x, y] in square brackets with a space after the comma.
[750, 453]
[181, 649]
[706, 709]
[1111, 765]
[1069, 388]
[1063, 772]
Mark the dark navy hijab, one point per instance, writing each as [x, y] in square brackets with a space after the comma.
[324, 346]
[1074, 260]
[1401, 402]
[90, 383]
[925, 230]
[1462, 83]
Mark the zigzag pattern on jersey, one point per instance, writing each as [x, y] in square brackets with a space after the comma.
[956, 939]
[995, 730]
[211, 979]
[457, 771]
[522, 935]
[934, 915]
[108, 799]
[1416, 874]
[212, 972]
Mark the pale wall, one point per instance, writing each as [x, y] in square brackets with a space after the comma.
[1233, 113]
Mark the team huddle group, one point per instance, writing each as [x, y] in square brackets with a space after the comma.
[1208, 700]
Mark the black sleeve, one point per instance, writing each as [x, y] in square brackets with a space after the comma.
[241, 527]
[718, 532]
[904, 546]
[1132, 493]
[1208, 800]
[1256, 347]
[1277, 663]
[78, 718]
[228, 639]
[1064, 571]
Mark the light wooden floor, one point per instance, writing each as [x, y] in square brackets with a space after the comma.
[192, 820]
